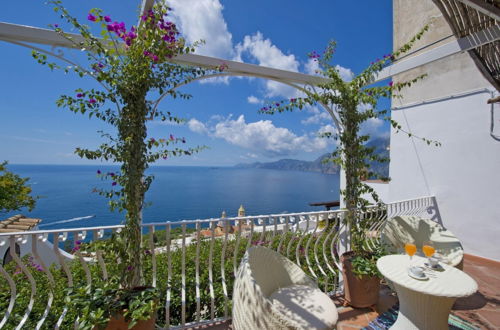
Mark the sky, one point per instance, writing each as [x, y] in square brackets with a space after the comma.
[222, 114]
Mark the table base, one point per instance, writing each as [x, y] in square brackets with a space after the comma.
[421, 311]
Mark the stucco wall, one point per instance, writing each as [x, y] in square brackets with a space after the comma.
[464, 173]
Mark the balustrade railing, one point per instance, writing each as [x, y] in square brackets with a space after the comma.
[192, 263]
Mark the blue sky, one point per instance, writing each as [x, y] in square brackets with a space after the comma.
[222, 114]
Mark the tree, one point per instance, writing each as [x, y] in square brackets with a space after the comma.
[355, 102]
[15, 193]
[133, 66]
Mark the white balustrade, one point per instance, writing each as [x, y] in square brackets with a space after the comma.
[212, 247]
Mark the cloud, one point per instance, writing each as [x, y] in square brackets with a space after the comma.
[265, 53]
[203, 20]
[197, 126]
[345, 73]
[253, 100]
[317, 118]
[260, 137]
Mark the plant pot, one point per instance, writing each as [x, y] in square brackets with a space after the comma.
[361, 291]
[118, 322]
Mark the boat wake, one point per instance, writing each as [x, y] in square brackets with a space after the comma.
[68, 220]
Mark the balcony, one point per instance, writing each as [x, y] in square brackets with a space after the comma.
[193, 263]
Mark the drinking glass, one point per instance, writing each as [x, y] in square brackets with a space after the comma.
[410, 249]
[428, 249]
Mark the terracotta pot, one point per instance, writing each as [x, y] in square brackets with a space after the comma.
[118, 323]
[361, 291]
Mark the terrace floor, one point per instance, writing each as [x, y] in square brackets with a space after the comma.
[482, 309]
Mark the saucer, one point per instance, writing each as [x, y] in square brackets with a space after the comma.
[437, 267]
[417, 277]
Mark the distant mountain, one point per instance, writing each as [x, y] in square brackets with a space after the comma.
[381, 147]
[297, 165]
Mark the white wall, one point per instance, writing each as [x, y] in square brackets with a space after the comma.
[463, 174]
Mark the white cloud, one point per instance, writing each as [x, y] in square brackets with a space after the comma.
[317, 118]
[203, 20]
[260, 137]
[266, 54]
[345, 73]
[197, 126]
[253, 100]
[311, 67]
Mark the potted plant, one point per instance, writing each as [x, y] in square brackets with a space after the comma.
[355, 102]
[134, 69]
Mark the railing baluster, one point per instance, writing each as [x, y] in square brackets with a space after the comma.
[302, 234]
[292, 238]
[153, 253]
[316, 244]
[183, 274]
[284, 232]
[210, 270]
[80, 237]
[13, 294]
[169, 277]
[334, 224]
[236, 247]
[197, 266]
[223, 268]
[24, 269]
[250, 237]
[50, 299]
[311, 236]
[97, 234]
[62, 238]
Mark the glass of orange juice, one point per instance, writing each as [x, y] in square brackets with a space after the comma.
[428, 249]
[410, 249]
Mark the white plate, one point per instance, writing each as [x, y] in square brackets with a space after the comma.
[415, 276]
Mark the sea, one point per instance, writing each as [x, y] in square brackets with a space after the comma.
[66, 197]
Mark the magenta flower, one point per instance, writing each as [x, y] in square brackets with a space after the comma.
[92, 101]
[78, 242]
[129, 268]
[146, 53]
[293, 100]
[56, 25]
[107, 19]
[80, 95]
[172, 137]
[91, 17]
[155, 58]
[110, 27]
[111, 174]
[114, 183]
[391, 83]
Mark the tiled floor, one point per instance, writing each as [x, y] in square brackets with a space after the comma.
[481, 309]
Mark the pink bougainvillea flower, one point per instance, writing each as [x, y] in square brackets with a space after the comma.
[91, 17]
[293, 100]
[114, 183]
[107, 19]
[92, 101]
[80, 95]
[391, 83]
[56, 25]
[172, 137]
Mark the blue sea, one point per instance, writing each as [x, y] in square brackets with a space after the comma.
[177, 193]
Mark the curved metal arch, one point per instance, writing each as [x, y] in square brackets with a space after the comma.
[242, 74]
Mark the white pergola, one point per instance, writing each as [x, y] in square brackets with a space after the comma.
[30, 36]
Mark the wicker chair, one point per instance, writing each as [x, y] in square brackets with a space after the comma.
[410, 229]
[271, 292]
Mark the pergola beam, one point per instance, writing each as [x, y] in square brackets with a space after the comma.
[451, 48]
[483, 7]
[29, 34]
